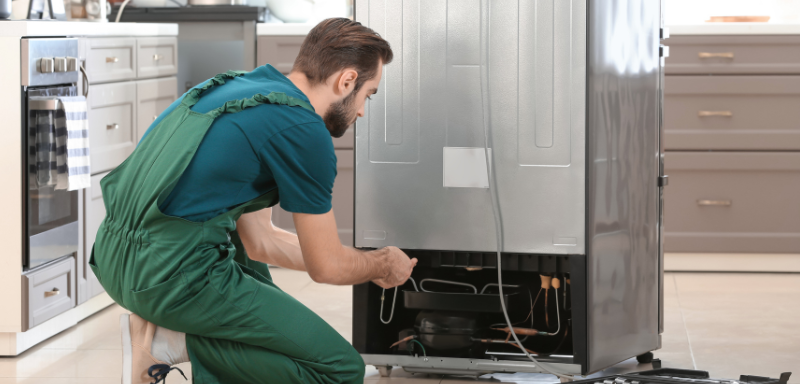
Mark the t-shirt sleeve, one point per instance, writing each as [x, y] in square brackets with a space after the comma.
[303, 163]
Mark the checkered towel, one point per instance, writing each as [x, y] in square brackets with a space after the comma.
[59, 146]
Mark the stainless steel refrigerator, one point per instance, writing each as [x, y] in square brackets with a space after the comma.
[569, 93]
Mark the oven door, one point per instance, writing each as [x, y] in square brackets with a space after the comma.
[52, 214]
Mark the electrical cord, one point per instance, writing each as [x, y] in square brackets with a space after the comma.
[498, 222]
[121, 8]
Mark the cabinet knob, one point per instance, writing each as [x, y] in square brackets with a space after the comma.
[111, 59]
[157, 57]
[52, 292]
[155, 117]
[112, 126]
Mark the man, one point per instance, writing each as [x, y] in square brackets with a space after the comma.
[196, 193]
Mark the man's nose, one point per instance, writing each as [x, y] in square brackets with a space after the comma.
[361, 112]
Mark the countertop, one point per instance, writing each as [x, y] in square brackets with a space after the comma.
[45, 28]
[285, 29]
[734, 29]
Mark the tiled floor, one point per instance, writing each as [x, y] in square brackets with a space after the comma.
[728, 324]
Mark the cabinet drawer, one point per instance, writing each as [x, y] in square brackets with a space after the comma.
[157, 56]
[111, 60]
[732, 202]
[279, 51]
[733, 55]
[112, 114]
[49, 292]
[732, 113]
[152, 98]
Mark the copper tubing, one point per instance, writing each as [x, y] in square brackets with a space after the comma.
[519, 331]
[547, 282]
[412, 337]
[498, 341]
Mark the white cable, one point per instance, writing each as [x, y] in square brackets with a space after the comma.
[485, 19]
[121, 8]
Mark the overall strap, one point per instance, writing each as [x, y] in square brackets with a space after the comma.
[281, 98]
[193, 95]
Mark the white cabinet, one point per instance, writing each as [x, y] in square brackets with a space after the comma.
[152, 98]
[94, 213]
[112, 115]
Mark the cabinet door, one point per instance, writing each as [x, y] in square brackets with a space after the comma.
[279, 51]
[342, 200]
[112, 124]
[95, 213]
[111, 59]
[157, 56]
[152, 98]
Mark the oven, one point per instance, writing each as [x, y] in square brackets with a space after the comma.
[50, 69]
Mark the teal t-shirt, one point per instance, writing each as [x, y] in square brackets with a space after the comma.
[247, 154]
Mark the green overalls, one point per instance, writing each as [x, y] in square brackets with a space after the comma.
[195, 277]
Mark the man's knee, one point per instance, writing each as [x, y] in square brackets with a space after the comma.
[351, 367]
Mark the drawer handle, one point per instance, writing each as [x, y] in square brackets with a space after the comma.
[155, 117]
[111, 60]
[112, 126]
[52, 293]
[157, 57]
[710, 55]
[714, 203]
[715, 113]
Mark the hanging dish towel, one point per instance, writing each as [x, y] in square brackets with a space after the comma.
[42, 148]
[73, 163]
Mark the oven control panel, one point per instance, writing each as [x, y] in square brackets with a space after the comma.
[49, 61]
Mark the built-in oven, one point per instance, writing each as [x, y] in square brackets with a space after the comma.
[50, 70]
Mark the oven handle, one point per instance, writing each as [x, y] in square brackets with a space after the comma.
[85, 82]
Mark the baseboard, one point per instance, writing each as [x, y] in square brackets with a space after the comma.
[12, 344]
[732, 262]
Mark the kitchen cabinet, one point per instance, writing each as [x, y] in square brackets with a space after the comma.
[156, 56]
[152, 98]
[94, 213]
[279, 51]
[732, 140]
[110, 59]
[112, 124]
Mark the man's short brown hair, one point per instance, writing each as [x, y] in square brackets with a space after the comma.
[339, 43]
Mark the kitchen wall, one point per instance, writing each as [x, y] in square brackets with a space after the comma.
[698, 11]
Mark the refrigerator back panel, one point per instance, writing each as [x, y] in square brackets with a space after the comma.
[420, 162]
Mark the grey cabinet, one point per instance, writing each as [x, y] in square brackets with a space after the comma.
[733, 55]
[732, 202]
[732, 113]
[152, 98]
[279, 51]
[732, 135]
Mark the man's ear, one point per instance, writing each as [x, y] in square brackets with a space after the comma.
[347, 82]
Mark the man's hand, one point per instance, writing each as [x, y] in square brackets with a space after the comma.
[328, 262]
[399, 268]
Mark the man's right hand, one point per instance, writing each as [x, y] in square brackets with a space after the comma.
[398, 266]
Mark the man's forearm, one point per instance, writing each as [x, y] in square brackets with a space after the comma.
[349, 267]
[269, 244]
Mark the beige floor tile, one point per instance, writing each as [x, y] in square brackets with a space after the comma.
[742, 323]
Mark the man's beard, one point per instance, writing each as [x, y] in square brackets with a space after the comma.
[340, 115]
